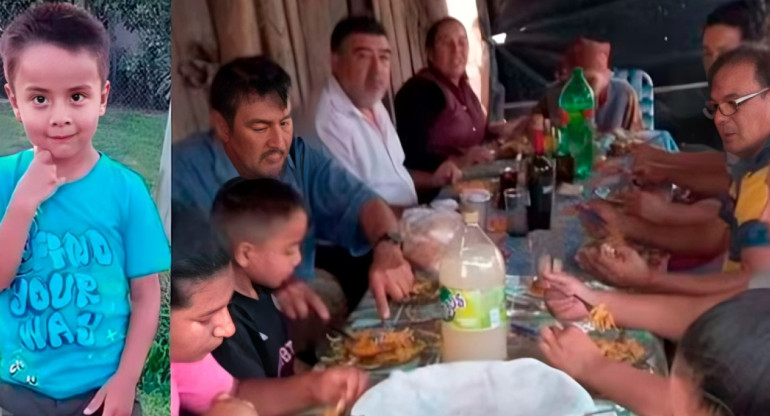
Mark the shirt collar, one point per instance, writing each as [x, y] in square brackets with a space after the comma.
[752, 164]
[339, 98]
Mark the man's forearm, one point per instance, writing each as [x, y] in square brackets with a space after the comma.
[713, 183]
[708, 239]
[676, 214]
[643, 393]
[145, 310]
[714, 284]
[423, 181]
[377, 219]
[667, 316]
[278, 396]
[14, 230]
[700, 161]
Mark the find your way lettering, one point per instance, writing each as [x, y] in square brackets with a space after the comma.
[42, 300]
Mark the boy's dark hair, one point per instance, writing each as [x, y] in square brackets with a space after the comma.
[197, 252]
[355, 25]
[249, 208]
[244, 78]
[737, 14]
[756, 54]
[430, 38]
[724, 354]
[60, 24]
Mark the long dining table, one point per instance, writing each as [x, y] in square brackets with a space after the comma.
[527, 313]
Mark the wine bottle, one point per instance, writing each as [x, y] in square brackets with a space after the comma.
[540, 181]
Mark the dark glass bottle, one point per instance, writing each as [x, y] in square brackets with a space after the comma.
[540, 180]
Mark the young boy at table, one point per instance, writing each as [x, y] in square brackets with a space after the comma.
[82, 241]
[202, 285]
[263, 222]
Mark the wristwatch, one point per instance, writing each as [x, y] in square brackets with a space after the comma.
[393, 237]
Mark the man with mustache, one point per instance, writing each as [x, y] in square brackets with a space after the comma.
[251, 119]
[352, 121]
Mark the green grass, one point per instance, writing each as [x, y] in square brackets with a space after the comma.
[135, 139]
[132, 137]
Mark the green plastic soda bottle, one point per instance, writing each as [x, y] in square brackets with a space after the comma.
[578, 104]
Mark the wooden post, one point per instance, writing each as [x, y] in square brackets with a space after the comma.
[271, 20]
[236, 28]
[193, 62]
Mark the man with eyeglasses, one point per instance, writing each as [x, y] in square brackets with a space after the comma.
[740, 106]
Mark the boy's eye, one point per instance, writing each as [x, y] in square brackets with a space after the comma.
[78, 97]
[39, 99]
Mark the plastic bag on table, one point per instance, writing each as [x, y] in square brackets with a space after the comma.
[426, 233]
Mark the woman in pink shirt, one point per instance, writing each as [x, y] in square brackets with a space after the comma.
[202, 285]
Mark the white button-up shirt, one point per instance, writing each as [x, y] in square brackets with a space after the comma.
[373, 153]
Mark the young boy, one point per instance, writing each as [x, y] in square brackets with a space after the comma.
[201, 286]
[81, 237]
[264, 223]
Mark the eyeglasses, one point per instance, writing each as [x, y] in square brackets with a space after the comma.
[728, 108]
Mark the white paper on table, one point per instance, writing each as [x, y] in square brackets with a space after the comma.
[522, 387]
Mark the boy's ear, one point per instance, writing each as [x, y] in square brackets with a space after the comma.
[105, 95]
[241, 254]
[12, 99]
[220, 126]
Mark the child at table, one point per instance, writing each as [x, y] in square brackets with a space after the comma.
[720, 368]
[202, 285]
[82, 242]
[693, 321]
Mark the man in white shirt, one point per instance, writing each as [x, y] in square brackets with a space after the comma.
[352, 121]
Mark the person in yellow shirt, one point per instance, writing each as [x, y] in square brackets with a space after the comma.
[740, 105]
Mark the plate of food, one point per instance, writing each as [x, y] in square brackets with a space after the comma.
[618, 344]
[380, 349]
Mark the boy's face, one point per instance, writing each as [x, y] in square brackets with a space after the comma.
[272, 262]
[200, 328]
[59, 97]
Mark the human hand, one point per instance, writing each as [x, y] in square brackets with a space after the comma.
[116, 397]
[389, 276]
[570, 350]
[565, 296]
[478, 154]
[40, 181]
[447, 174]
[338, 385]
[506, 131]
[226, 405]
[621, 266]
[297, 300]
[648, 205]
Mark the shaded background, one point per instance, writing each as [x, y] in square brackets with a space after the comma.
[662, 37]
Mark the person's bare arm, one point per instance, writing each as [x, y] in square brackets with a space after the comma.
[667, 316]
[573, 352]
[643, 393]
[118, 394]
[39, 182]
[390, 274]
[685, 284]
[702, 239]
[292, 395]
[14, 229]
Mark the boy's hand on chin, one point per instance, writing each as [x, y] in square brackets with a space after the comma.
[41, 180]
[297, 300]
[117, 396]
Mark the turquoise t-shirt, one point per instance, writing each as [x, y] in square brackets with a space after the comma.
[64, 319]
